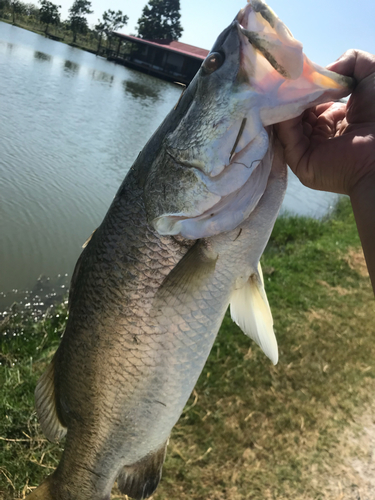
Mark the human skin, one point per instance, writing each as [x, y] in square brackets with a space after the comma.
[331, 147]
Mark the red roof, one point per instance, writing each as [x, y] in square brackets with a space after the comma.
[171, 45]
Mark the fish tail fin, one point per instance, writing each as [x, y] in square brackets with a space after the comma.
[141, 479]
[42, 492]
[249, 308]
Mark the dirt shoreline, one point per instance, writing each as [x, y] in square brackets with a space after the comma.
[354, 478]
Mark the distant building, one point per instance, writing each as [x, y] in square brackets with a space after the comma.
[168, 59]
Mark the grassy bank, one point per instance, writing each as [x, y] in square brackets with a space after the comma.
[250, 430]
[88, 42]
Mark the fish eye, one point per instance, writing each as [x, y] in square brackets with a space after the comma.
[212, 62]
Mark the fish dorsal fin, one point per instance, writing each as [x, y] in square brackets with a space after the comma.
[88, 239]
[45, 401]
[249, 308]
[141, 479]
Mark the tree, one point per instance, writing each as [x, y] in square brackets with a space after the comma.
[160, 20]
[112, 21]
[31, 10]
[4, 5]
[100, 28]
[115, 20]
[77, 20]
[49, 13]
[17, 8]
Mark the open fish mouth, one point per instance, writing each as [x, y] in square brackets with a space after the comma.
[267, 34]
[271, 81]
[273, 62]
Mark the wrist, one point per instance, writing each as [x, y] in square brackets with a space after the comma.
[362, 198]
[360, 176]
[362, 189]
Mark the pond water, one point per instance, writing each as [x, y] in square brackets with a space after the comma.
[71, 125]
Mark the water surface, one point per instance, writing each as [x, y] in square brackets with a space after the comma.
[71, 125]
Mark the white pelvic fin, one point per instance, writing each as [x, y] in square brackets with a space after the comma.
[249, 308]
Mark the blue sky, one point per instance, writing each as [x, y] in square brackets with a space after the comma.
[325, 27]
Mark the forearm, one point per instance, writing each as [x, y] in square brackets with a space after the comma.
[363, 203]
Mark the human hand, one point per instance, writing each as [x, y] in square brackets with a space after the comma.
[331, 147]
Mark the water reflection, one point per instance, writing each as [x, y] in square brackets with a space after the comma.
[101, 76]
[65, 150]
[44, 295]
[140, 90]
[41, 56]
[71, 68]
[10, 47]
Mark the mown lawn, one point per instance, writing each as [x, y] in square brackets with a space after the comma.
[250, 430]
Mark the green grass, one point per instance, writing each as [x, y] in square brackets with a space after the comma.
[25, 348]
[250, 430]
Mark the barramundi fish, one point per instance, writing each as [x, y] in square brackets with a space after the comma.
[180, 243]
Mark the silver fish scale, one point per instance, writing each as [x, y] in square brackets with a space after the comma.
[124, 371]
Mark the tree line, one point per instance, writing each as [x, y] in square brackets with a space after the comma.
[160, 18]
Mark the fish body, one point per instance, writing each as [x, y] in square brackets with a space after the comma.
[181, 241]
[123, 394]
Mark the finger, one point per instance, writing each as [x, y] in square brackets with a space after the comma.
[361, 105]
[322, 108]
[327, 122]
[307, 128]
[309, 116]
[361, 66]
[355, 63]
[295, 142]
[293, 133]
[312, 114]
[336, 112]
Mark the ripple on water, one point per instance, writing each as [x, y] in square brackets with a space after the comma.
[71, 125]
[37, 301]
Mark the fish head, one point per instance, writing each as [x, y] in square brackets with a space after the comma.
[215, 162]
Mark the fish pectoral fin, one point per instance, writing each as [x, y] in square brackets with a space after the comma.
[141, 479]
[45, 401]
[249, 308]
[187, 277]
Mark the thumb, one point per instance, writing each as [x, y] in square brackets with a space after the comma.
[355, 63]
